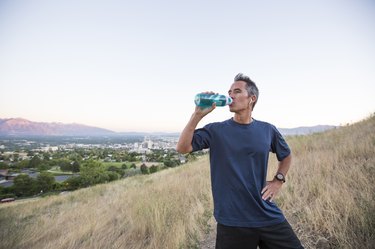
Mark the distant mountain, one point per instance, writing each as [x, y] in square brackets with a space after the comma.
[23, 127]
[304, 130]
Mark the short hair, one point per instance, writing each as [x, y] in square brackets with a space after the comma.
[251, 87]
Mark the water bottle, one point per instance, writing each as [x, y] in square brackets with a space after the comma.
[206, 100]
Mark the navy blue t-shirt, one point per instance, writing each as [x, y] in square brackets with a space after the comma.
[239, 157]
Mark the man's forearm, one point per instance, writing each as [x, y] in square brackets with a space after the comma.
[186, 137]
[273, 187]
[284, 165]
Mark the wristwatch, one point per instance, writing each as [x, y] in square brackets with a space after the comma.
[280, 177]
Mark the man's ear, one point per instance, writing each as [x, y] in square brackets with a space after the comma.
[252, 99]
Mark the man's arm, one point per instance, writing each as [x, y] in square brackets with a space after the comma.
[284, 165]
[186, 137]
[273, 187]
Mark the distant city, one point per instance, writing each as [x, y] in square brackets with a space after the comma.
[17, 153]
[134, 143]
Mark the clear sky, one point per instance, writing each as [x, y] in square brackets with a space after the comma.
[136, 65]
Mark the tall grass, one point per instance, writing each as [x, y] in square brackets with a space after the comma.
[328, 198]
[168, 209]
[330, 191]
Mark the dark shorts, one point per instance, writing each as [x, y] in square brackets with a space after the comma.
[277, 236]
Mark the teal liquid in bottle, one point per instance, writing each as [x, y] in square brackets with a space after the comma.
[206, 100]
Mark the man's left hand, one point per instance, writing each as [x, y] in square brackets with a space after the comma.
[270, 191]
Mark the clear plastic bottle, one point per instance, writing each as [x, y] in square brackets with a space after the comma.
[206, 100]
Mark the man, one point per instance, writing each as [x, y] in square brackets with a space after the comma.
[239, 149]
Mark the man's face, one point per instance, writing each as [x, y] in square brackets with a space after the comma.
[241, 99]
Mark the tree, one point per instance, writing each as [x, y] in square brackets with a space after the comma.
[93, 172]
[24, 185]
[45, 182]
[23, 164]
[64, 164]
[35, 162]
[3, 165]
[16, 157]
[132, 157]
[43, 166]
[75, 167]
[144, 169]
[46, 156]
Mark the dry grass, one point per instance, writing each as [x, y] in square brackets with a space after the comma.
[330, 191]
[168, 209]
[329, 197]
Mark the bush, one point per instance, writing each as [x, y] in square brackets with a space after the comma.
[10, 195]
[118, 171]
[113, 176]
[73, 183]
[6, 193]
[154, 168]
[171, 163]
[144, 169]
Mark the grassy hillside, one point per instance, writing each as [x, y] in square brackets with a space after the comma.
[328, 198]
[330, 193]
[168, 209]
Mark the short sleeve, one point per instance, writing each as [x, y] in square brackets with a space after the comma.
[201, 139]
[279, 145]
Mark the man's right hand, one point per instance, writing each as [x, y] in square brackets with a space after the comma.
[184, 142]
[203, 111]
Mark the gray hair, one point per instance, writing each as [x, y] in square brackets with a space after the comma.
[251, 87]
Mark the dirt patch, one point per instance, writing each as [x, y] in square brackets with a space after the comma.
[209, 241]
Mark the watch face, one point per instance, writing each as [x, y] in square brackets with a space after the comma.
[280, 177]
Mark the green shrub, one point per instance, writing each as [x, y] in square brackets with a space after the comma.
[154, 168]
[144, 169]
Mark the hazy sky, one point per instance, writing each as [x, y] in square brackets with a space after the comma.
[136, 65]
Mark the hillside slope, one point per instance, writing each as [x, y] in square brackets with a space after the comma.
[168, 209]
[330, 192]
[328, 198]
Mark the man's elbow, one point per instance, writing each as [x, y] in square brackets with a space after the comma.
[183, 149]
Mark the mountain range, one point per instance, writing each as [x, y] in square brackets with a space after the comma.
[304, 130]
[24, 127]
